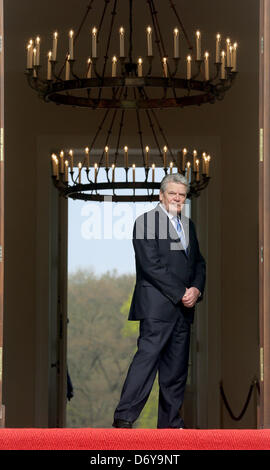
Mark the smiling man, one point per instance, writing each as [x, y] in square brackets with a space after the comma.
[170, 279]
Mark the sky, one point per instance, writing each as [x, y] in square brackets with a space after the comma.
[100, 235]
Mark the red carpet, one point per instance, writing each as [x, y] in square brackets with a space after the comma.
[134, 439]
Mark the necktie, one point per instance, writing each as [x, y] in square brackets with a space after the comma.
[181, 233]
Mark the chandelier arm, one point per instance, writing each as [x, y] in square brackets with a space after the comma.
[181, 25]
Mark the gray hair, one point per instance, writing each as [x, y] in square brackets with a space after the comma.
[173, 178]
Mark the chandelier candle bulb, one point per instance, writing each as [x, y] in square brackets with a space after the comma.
[228, 44]
[153, 172]
[57, 168]
[140, 71]
[94, 42]
[147, 156]
[49, 69]
[231, 56]
[114, 63]
[197, 170]
[87, 157]
[184, 152]
[207, 164]
[30, 55]
[198, 46]
[165, 156]
[71, 159]
[204, 163]
[122, 42]
[80, 171]
[126, 156]
[188, 67]
[67, 76]
[113, 168]
[61, 162]
[218, 45]
[149, 41]
[66, 171]
[71, 44]
[133, 172]
[188, 170]
[194, 159]
[206, 66]
[38, 50]
[234, 57]
[107, 156]
[176, 43]
[171, 167]
[53, 156]
[96, 169]
[35, 56]
[179, 161]
[54, 50]
[165, 67]
[223, 70]
[89, 68]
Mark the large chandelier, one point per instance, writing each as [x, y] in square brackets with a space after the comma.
[158, 75]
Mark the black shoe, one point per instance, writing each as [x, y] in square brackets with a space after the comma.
[122, 423]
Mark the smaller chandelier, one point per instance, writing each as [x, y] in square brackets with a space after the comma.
[89, 180]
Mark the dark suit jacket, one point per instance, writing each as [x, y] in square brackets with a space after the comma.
[163, 269]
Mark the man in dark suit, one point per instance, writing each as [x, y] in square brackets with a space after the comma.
[170, 279]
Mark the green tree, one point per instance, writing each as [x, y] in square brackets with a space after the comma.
[98, 354]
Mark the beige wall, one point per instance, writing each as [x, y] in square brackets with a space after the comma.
[231, 209]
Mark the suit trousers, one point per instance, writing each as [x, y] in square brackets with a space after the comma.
[163, 347]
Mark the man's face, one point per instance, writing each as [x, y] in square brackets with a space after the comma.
[173, 197]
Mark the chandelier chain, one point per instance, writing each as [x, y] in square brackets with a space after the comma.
[88, 8]
[141, 141]
[139, 129]
[181, 25]
[158, 30]
[154, 132]
[102, 18]
[163, 135]
[108, 46]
